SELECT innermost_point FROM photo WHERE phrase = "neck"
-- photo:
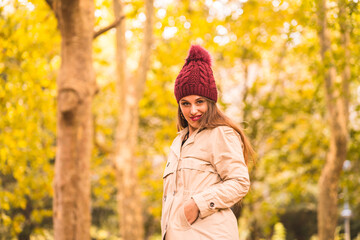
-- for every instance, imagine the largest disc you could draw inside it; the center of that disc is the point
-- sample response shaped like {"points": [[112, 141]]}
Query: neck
{"points": [[191, 130]]}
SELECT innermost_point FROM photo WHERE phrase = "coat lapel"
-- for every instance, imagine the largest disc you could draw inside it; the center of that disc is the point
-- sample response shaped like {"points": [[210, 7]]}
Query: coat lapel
{"points": [[176, 146], [191, 138]]}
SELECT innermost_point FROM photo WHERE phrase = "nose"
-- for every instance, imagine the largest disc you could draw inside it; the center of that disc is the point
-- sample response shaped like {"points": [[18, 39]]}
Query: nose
{"points": [[193, 110]]}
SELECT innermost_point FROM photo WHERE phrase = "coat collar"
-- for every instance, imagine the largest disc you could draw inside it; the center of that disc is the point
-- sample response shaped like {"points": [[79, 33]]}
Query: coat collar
{"points": [[176, 146]]}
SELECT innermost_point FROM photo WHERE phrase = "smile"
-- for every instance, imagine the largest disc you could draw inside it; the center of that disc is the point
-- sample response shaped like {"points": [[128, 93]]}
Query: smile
{"points": [[195, 118]]}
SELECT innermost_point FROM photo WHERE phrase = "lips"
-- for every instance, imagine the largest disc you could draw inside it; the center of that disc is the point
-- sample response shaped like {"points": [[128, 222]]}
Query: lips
{"points": [[195, 118]]}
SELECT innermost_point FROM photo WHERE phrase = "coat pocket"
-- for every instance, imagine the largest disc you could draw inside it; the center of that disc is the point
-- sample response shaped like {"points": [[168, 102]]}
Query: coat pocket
{"points": [[169, 169], [196, 164], [170, 165], [183, 222], [197, 175]]}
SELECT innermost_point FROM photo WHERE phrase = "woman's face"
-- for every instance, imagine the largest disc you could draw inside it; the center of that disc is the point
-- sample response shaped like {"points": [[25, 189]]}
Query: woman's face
{"points": [[193, 107]]}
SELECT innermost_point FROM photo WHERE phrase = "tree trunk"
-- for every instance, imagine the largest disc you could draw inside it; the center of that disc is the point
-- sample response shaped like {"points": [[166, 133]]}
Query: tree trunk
{"points": [[345, 42], [76, 87], [337, 108], [130, 91]]}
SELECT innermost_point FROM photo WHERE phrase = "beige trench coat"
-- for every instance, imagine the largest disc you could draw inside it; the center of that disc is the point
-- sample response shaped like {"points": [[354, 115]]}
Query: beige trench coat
{"points": [[210, 168]]}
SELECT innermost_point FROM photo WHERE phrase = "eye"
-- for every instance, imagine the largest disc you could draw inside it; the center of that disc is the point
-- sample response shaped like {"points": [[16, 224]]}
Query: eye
{"points": [[199, 101], [185, 103]]}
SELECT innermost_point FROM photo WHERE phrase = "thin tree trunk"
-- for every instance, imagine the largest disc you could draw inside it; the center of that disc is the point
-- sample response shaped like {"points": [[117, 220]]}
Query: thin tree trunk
{"points": [[76, 87], [130, 91], [345, 42], [120, 150], [337, 106]]}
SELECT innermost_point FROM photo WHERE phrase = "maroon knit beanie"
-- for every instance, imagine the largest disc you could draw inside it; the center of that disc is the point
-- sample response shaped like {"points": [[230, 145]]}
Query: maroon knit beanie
{"points": [[196, 76]]}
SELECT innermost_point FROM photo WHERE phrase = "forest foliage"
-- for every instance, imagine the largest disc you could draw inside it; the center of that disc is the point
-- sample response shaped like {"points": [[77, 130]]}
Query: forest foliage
{"points": [[269, 74]]}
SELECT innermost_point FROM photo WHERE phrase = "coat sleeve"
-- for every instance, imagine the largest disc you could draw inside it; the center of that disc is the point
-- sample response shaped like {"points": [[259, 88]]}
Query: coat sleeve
{"points": [[228, 160]]}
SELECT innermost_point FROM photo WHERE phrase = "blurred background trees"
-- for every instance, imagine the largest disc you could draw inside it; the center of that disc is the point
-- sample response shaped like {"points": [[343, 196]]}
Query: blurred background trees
{"points": [[270, 74]]}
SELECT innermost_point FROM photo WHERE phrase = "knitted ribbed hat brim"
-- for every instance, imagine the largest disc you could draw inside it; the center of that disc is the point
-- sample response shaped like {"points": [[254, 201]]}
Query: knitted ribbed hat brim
{"points": [[188, 90]]}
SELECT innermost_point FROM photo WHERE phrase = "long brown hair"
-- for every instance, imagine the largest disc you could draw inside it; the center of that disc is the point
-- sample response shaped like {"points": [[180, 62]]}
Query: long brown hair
{"points": [[213, 118]]}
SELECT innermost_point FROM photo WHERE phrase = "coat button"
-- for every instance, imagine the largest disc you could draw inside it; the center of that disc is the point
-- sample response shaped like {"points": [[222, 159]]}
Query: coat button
{"points": [[164, 198], [167, 164], [212, 205], [174, 193]]}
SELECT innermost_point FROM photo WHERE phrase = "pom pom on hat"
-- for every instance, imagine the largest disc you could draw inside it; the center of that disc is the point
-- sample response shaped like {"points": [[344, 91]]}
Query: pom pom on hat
{"points": [[196, 76], [198, 53]]}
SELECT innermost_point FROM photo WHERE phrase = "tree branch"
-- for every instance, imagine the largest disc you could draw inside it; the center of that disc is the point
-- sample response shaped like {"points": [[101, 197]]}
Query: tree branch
{"points": [[50, 3], [105, 29], [100, 145]]}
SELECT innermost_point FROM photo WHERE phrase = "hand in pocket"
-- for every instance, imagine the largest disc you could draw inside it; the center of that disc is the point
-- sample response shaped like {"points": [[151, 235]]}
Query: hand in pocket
{"points": [[191, 211]]}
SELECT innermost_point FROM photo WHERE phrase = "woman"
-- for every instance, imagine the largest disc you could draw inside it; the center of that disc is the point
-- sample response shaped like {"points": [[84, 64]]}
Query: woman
{"points": [[206, 172]]}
